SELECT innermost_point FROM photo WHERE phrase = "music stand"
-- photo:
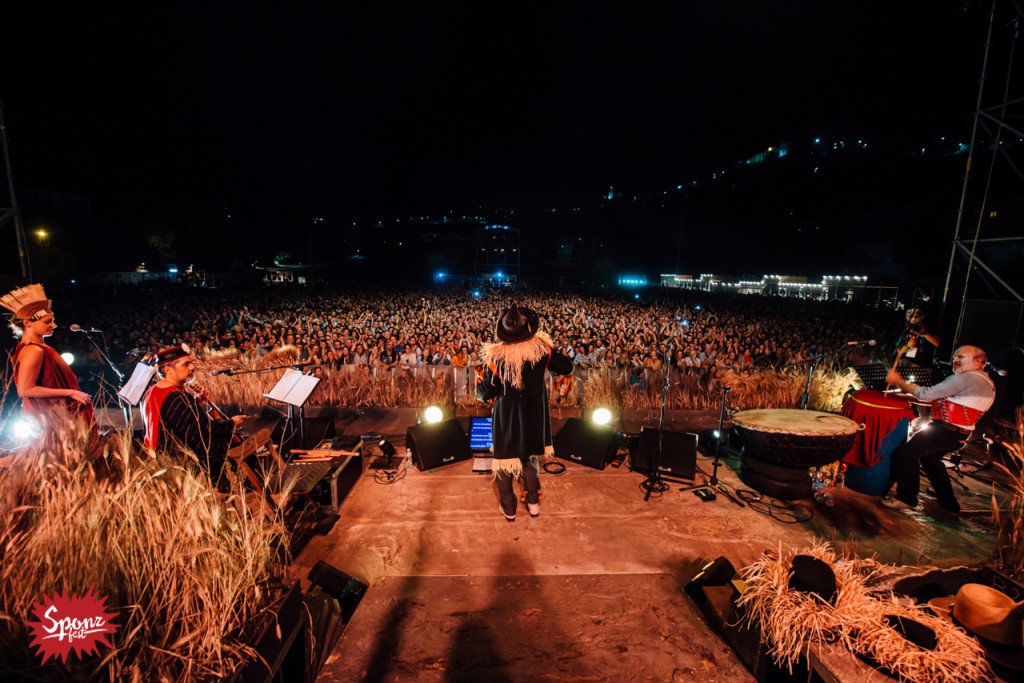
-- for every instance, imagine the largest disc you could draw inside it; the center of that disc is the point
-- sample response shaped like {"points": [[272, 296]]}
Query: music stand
{"points": [[133, 390], [922, 377], [293, 389], [872, 376]]}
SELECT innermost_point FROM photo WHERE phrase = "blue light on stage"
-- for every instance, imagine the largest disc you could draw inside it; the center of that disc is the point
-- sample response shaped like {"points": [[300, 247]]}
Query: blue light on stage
{"points": [[499, 275], [172, 270], [476, 293]]}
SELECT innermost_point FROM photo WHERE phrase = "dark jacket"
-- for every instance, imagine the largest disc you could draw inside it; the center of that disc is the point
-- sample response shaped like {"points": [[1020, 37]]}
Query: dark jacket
{"points": [[521, 422]]}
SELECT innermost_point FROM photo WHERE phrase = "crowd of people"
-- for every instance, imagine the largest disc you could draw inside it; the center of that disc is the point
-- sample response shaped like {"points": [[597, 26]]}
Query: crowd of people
{"points": [[696, 332]]}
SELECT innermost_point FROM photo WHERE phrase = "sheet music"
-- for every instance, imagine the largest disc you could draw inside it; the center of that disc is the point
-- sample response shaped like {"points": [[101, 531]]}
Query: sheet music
{"points": [[293, 388], [135, 387]]}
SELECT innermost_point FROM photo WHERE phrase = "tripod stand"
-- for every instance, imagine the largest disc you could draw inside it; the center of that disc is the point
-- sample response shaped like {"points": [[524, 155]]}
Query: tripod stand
{"points": [[654, 483], [712, 483]]}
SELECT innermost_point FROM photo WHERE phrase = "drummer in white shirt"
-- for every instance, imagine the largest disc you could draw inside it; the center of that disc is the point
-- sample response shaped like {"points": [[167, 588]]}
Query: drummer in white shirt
{"points": [[958, 402]]}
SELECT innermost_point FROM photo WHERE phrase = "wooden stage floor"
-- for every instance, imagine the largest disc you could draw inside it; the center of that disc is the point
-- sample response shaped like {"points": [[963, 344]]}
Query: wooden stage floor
{"points": [[591, 590]]}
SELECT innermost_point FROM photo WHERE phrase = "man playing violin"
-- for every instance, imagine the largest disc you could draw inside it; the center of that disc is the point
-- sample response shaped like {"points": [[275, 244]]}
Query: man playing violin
{"points": [[958, 402], [174, 418], [918, 344]]}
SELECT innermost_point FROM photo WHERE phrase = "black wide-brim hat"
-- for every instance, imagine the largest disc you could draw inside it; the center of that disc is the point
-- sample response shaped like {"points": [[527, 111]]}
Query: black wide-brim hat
{"points": [[517, 324], [813, 576]]}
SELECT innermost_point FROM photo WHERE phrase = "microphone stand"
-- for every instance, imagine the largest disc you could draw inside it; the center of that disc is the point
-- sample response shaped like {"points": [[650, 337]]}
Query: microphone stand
{"points": [[126, 409], [813, 360], [231, 372], [711, 484], [654, 483]]}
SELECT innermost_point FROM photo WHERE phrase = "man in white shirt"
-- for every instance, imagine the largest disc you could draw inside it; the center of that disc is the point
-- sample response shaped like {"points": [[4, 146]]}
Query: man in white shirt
{"points": [[958, 402]]}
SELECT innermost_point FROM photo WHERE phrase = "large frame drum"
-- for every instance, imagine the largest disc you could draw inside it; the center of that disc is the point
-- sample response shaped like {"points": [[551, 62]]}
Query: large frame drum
{"points": [[781, 445]]}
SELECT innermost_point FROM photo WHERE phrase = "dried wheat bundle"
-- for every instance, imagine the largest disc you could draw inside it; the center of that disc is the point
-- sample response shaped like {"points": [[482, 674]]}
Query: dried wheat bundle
{"points": [[187, 567], [957, 658], [600, 390], [829, 388], [1009, 516], [762, 390]]}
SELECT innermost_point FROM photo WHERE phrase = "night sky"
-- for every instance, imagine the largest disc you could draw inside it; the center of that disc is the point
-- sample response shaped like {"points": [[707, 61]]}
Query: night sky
{"points": [[180, 114]]}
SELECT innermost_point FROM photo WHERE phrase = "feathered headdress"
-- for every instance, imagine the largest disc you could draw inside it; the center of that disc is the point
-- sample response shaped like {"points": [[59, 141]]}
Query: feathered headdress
{"points": [[26, 302]]}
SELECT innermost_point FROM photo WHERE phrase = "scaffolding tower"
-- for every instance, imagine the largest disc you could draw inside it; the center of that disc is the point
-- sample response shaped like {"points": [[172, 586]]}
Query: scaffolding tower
{"points": [[995, 153]]}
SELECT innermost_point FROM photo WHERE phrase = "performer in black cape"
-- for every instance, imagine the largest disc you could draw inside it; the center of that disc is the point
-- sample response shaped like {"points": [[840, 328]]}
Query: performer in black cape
{"points": [[521, 424]]}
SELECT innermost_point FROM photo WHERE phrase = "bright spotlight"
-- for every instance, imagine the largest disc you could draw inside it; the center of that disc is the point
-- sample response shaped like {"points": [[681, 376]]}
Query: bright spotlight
{"points": [[433, 414], [68, 357], [602, 416], [25, 429], [717, 434]]}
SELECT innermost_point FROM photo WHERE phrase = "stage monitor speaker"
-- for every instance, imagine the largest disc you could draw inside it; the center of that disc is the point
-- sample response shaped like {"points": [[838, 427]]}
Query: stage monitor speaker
{"points": [[436, 444], [718, 572], [585, 443], [993, 325], [339, 585], [678, 455]]}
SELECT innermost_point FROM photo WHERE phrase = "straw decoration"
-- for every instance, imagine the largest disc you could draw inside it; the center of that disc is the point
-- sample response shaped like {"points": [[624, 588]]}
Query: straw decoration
{"points": [[789, 621]]}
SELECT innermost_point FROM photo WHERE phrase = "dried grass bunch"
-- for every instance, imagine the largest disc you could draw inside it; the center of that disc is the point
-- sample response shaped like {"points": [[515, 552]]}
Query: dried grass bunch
{"points": [[789, 621], [415, 386], [1009, 517], [186, 568]]}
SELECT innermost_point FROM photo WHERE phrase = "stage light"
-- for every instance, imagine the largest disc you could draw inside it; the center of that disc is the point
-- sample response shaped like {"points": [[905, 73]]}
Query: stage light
{"points": [[601, 416], [68, 357], [433, 414], [386, 448], [717, 434], [25, 429]]}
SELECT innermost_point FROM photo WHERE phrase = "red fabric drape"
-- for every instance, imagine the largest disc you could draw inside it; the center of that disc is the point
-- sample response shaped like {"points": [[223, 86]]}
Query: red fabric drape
{"points": [[879, 413]]}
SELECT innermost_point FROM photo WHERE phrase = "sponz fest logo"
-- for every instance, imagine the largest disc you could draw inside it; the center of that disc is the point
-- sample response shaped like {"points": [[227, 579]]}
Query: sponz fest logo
{"points": [[70, 622]]}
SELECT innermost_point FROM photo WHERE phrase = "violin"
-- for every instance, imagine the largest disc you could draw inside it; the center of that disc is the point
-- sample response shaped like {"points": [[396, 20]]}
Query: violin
{"points": [[213, 410]]}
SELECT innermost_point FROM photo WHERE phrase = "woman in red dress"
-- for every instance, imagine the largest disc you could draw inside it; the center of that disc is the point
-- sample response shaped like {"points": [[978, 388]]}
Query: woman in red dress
{"points": [[44, 381]]}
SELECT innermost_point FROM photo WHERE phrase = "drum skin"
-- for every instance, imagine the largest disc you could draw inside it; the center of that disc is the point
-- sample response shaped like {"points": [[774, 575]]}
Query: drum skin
{"points": [[795, 438]]}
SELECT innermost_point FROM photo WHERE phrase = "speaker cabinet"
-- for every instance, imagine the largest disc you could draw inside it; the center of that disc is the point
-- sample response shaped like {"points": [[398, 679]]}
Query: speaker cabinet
{"points": [[438, 444], [585, 443], [718, 572], [678, 453], [339, 585]]}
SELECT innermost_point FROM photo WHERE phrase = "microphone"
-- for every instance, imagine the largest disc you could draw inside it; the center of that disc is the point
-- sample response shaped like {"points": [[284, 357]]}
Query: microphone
{"points": [[998, 371], [226, 371], [79, 328], [869, 342]]}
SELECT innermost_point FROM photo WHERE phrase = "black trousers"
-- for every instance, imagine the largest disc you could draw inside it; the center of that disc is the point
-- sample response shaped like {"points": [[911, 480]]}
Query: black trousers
{"points": [[507, 494], [925, 450]]}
